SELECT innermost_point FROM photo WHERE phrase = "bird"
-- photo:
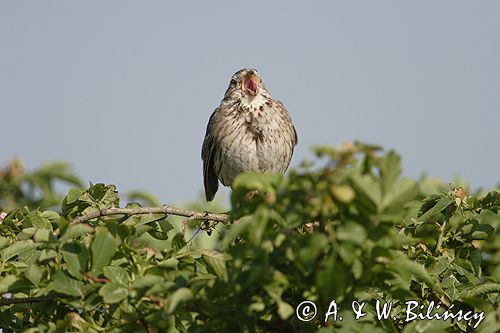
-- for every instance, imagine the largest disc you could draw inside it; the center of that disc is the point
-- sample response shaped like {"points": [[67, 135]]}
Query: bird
{"points": [[249, 132]]}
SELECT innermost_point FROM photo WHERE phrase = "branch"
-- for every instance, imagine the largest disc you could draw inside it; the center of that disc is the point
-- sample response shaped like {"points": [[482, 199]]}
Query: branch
{"points": [[145, 325], [93, 279], [165, 209], [35, 299]]}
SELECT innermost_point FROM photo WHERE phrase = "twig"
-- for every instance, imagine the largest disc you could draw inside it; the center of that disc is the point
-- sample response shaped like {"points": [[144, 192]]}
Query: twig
{"points": [[35, 299], [146, 326], [194, 235], [94, 279], [167, 210]]}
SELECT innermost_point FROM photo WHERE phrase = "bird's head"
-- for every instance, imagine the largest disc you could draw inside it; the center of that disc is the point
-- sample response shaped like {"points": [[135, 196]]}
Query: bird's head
{"points": [[246, 82]]}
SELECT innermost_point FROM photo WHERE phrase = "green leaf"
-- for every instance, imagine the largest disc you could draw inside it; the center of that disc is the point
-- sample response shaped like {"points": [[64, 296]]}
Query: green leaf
{"points": [[441, 205], [147, 240], [76, 256], [169, 263], [483, 289], [103, 249], [390, 169], [17, 248], [407, 268], [482, 232], [105, 196], [178, 296], [47, 255], [62, 284], [147, 281], [75, 231], [34, 274], [368, 188], [4, 242], [215, 263], [403, 191], [285, 310], [42, 235], [36, 220], [6, 283], [72, 196], [113, 293], [117, 275], [51, 216]]}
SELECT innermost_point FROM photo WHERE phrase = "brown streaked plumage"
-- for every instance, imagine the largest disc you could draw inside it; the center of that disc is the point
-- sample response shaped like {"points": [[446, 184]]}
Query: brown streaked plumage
{"points": [[249, 132]]}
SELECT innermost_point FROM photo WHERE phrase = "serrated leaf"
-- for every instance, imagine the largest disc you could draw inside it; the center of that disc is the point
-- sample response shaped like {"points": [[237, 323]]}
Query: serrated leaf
{"points": [[403, 191], [75, 231], [51, 216], [17, 248], [103, 249], [482, 232], [113, 293], [215, 263], [42, 235], [408, 268], [6, 283], [36, 220], [62, 284], [390, 169], [147, 281], [47, 255], [76, 256], [34, 274], [483, 289], [72, 196], [169, 263], [117, 275], [4, 242], [369, 188], [105, 196], [441, 205]]}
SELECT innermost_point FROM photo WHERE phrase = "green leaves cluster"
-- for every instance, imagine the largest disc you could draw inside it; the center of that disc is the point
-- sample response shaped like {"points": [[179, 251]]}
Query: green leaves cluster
{"points": [[347, 227]]}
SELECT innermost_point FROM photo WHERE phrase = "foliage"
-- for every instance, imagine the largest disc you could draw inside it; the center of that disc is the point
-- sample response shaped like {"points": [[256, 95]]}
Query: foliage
{"points": [[37, 189], [347, 228]]}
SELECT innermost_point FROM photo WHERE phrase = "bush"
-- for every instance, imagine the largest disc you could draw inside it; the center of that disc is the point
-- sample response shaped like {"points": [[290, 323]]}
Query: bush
{"points": [[345, 228]]}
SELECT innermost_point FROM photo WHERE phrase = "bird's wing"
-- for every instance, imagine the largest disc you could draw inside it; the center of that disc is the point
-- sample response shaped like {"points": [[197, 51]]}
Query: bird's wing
{"points": [[278, 105], [210, 181]]}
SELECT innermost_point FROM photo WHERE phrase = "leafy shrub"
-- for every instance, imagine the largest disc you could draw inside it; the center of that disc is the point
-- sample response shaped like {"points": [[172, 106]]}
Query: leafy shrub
{"points": [[347, 228]]}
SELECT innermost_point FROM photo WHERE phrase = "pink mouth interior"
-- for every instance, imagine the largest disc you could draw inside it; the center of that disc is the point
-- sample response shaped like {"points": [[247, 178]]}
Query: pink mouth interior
{"points": [[251, 85]]}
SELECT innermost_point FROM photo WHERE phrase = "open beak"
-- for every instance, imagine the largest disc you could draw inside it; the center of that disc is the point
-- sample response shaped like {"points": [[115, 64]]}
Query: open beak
{"points": [[251, 84]]}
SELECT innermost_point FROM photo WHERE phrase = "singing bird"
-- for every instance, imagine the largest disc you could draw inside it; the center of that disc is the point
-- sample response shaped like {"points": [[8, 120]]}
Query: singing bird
{"points": [[249, 132]]}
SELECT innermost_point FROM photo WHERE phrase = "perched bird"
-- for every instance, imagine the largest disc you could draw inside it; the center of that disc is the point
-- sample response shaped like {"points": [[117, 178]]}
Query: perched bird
{"points": [[249, 132]]}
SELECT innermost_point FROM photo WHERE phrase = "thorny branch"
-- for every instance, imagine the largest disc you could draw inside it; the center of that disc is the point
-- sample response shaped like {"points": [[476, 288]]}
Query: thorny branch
{"points": [[165, 209], [35, 299]]}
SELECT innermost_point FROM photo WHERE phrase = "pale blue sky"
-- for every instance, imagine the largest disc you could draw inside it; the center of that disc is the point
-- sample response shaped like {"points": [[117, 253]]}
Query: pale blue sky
{"points": [[123, 89]]}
